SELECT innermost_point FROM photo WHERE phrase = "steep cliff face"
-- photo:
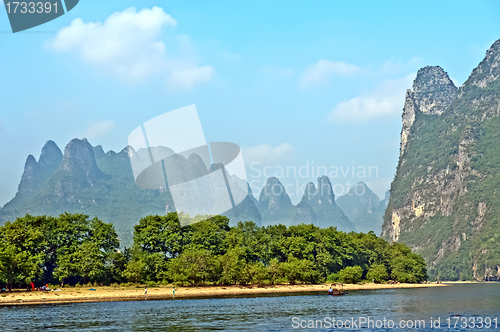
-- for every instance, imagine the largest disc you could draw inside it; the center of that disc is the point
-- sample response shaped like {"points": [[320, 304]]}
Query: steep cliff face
{"points": [[78, 170], [433, 91], [444, 196]]}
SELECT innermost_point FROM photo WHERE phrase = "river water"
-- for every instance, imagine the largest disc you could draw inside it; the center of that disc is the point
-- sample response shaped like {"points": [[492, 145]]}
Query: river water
{"points": [[462, 307]]}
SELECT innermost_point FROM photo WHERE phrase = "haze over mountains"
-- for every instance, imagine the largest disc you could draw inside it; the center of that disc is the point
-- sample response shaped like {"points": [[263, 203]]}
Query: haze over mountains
{"points": [[444, 199], [86, 179]]}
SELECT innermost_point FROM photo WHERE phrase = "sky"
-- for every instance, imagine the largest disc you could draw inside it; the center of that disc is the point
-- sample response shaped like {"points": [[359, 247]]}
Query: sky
{"points": [[300, 86]]}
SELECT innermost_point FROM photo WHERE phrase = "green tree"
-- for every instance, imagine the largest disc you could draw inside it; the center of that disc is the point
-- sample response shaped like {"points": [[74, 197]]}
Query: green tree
{"points": [[21, 251], [300, 270], [350, 275], [135, 271], [208, 235], [194, 267], [160, 234], [17, 266], [233, 266], [378, 273], [255, 273], [405, 265]]}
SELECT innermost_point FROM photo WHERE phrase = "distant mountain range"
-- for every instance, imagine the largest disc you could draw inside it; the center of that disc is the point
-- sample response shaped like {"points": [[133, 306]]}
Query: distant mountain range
{"points": [[86, 179]]}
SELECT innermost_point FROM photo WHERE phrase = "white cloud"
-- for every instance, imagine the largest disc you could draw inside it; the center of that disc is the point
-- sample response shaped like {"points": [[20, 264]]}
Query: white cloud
{"points": [[128, 44], [386, 99], [322, 71], [187, 78], [266, 154], [396, 67], [100, 129]]}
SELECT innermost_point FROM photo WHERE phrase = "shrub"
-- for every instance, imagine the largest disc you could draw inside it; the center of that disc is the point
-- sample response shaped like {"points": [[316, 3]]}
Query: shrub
{"points": [[377, 273], [350, 275]]}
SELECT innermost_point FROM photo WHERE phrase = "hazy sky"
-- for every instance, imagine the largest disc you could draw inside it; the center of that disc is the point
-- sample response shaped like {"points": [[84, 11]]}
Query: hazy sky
{"points": [[294, 83]]}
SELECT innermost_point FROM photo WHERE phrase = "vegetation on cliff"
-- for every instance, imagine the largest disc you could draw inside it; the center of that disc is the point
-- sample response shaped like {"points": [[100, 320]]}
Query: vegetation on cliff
{"points": [[444, 198]]}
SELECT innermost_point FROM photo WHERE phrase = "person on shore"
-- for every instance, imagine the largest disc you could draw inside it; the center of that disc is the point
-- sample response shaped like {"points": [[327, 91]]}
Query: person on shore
{"points": [[330, 291], [146, 290], [173, 291]]}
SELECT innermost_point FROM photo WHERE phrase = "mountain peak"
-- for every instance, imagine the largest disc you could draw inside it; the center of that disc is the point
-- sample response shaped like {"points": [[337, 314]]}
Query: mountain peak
{"points": [[273, 188], [98, 152], [488, 70], [360, 189], [274, 202], [362, 207], [30, 161], [322, 194], [29, 176], [433, 90], [79, 160], [51, 156], [319, 207]]}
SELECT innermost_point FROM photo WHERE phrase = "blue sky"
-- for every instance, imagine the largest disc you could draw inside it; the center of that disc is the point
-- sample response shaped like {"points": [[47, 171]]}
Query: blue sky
{"points": [[294, 83]]}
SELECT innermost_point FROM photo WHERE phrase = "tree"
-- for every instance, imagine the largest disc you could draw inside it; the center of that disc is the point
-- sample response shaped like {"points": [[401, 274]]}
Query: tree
{"points": [[79, 247], [378, 273], [192, 266], [350, 275], [299, 270], [17, 266], [160, 234], [406, 266], [275, 270], [255, 273], [21, 253], [233, 266], [208, 234], [135, 271]]}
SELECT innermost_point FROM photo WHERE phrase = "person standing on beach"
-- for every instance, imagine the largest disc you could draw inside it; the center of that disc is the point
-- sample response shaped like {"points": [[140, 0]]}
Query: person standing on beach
{"points": [[146, 290], [173, 291]]}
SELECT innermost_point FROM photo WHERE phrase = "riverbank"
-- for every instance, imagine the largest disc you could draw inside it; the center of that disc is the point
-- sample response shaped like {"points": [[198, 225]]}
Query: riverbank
{"points": [[73, 294]]}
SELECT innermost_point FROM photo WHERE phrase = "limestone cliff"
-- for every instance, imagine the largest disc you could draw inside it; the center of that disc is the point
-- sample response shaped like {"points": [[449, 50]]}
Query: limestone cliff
{"points": [[433, 91], [444, 200]]}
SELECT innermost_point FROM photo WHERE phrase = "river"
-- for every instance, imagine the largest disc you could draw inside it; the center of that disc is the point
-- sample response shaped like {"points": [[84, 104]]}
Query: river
{"points": [[461, 307]]}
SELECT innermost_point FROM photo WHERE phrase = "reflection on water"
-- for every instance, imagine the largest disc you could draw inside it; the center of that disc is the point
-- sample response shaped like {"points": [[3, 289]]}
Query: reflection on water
{"points": [[266, 313]]}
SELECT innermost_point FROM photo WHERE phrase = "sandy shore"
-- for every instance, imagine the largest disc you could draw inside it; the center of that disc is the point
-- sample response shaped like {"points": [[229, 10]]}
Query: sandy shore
{"points": [[68, 295]]}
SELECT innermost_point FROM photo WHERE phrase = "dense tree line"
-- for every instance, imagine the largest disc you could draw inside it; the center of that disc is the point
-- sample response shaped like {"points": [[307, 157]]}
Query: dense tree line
{"points": [[74, 249]]}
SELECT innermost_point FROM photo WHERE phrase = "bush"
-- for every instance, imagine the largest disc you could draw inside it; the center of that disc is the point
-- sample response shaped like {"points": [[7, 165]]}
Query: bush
{"points": [[256, 273], [332, 277], [377, 273], [350, 275]]}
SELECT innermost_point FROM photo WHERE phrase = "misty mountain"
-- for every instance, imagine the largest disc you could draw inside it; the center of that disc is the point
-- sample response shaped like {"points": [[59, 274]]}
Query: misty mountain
{"points": [[363, 207], [317, 206], [88, 180]]}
